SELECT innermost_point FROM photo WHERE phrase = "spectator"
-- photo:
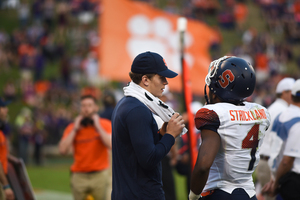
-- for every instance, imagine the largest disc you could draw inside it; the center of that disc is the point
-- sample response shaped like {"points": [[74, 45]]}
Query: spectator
{"points": [[226, 19], [65, 70], [27, 89], [267, 154], [109, 102], [9, 90], [39, 65], [6, 192], [286, 126], [23, 12], [49, 47], [90, 66], [89, 137], [75, 64], [38, 139], [86, 15], [4, 125], [48, 13], [240, 14], [62, 17], [36, 11], [25, 128]]}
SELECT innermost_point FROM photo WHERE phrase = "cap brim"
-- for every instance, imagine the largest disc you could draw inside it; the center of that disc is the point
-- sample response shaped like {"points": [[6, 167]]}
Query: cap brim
{"points": [[168, 73]]}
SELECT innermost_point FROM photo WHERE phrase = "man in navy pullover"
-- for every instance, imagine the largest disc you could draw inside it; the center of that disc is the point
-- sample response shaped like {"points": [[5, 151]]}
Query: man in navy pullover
{"points": [[138, 146]]}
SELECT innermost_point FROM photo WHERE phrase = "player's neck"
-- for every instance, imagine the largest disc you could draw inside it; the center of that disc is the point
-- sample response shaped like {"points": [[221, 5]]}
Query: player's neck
{"points": [[214, 99]]}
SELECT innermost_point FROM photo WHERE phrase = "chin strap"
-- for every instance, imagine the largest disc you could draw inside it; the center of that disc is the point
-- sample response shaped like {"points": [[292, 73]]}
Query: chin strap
{"points": [[205, 95]]}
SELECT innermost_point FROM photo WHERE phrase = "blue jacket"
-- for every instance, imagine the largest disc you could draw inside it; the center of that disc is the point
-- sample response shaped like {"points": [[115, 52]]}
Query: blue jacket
{"points": [[137, 149]]}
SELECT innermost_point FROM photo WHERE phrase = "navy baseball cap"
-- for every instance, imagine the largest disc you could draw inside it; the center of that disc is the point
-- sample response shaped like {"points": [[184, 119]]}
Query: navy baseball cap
{"points": [[151, 63], [3, 103]]}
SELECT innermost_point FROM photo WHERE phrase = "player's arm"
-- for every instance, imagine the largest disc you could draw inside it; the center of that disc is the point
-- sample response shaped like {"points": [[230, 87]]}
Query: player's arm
{"points": [[66, 143], [6, 187], [207, 152], [208, 122]]}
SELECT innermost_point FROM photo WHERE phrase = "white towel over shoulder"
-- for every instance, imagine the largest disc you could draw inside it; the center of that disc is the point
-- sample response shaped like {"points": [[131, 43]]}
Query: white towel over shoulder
{"points": [[156, 106]]}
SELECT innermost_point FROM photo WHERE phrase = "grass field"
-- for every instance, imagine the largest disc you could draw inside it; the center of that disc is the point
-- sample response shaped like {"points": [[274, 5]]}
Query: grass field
{"points": [[55, 174], [54, 177]]}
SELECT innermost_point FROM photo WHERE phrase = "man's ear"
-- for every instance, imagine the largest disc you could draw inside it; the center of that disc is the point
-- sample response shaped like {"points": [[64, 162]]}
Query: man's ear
{"points": [[145, 81]]}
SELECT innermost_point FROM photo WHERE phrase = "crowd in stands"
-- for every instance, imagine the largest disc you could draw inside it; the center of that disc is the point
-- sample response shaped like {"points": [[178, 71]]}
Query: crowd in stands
{"points": [[271, 57], [50, 34], [64, 33]]}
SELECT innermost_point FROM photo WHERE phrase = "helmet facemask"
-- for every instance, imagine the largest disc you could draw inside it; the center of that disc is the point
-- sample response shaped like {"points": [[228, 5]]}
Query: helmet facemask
{"points": [[212, 70]]}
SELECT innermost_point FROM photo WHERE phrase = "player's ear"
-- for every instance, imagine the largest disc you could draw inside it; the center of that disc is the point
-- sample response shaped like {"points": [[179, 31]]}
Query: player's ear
{"points": [[145, 80]]}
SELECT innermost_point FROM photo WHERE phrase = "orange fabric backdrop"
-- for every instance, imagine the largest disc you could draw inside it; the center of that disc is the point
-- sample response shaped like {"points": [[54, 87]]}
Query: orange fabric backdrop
{"points": [[128, 27]]}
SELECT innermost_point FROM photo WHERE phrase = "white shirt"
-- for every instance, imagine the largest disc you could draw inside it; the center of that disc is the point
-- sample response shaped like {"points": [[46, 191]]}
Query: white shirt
{"points": [[290, 120], [241, 129], [267, 148]]}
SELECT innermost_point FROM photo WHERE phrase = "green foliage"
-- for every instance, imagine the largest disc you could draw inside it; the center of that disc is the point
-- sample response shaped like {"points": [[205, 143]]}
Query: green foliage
{"points": [[9, 20], [51, 71], [11, 76]]}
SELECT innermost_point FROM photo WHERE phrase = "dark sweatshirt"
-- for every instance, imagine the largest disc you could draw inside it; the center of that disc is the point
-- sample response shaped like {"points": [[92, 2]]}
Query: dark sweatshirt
{"points": [[137, 149]]}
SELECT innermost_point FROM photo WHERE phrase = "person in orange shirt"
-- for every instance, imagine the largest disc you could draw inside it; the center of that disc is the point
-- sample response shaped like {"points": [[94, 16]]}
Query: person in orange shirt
{"points": [[90, 138], [5, 189]]}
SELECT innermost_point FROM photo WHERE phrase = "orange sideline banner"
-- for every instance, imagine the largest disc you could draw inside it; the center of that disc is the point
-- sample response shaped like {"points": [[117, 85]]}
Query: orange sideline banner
{"points": [[128, 28]]}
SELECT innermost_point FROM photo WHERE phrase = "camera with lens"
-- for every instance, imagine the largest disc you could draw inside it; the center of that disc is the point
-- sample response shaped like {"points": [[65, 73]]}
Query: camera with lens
{"points": [[87, 122]]}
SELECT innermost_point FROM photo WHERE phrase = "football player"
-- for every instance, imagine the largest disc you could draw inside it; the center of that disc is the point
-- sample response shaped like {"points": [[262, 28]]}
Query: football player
{"points": [[231, 130]]}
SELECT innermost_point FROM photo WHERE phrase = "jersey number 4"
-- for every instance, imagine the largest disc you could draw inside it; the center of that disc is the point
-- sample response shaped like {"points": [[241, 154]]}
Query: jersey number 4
{"points": [[251, 142]]}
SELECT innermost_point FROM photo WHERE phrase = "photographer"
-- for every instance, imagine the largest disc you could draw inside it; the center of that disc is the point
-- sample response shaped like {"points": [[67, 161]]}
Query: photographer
{"points": [[90, 138]]}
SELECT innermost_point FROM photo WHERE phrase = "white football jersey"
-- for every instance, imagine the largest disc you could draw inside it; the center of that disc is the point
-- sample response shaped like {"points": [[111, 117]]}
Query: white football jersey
{"points": [[241, 129]]}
